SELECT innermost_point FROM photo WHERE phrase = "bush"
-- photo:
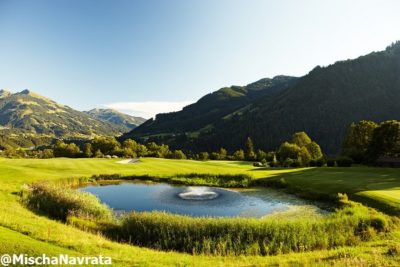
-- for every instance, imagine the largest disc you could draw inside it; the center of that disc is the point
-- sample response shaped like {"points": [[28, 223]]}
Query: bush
{"points": [[394, 250], [330, 162], [204, 156], [288, 162], [344, 162], [320, 162], [380, 223], [296, 163]]}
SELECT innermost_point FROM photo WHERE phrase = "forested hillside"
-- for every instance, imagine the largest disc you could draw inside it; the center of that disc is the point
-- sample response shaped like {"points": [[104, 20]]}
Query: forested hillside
{"points": [[323, 103]]}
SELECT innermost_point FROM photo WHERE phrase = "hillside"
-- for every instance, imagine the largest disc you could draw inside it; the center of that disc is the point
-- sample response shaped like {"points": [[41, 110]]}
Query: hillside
{"points": [[115, 117], [323, 103], [30, 116], [205, 112]]}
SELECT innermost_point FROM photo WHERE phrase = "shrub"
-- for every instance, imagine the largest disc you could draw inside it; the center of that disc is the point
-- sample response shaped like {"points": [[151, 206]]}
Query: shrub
{"points": [[258, 164], [394, 250], [330, 162], [288, 162], [320, 162], [342, 197], [296, 163], [379, 223], [204, 156], [214, 156], [344, 162], [312, 163]]}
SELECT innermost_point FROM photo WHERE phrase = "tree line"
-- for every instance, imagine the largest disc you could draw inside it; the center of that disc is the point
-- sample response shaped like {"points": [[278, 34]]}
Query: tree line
{"points": [[367, 141], [300, 150]]}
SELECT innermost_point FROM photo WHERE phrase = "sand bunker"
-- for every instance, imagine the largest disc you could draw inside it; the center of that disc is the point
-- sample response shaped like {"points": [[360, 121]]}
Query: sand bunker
{"points": [[128, 161]]}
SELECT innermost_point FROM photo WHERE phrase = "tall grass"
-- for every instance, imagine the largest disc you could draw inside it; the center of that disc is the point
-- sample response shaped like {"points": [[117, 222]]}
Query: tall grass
{"points": [[349, 225], [235, 236], [221, 180], [58, 202]]}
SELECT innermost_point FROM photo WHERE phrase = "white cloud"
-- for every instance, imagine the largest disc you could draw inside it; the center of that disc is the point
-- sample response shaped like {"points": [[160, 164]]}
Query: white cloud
{"points": [[147, 109]]}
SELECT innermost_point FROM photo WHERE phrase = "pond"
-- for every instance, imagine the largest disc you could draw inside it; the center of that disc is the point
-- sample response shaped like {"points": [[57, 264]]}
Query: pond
{"points": [[197, 201]]}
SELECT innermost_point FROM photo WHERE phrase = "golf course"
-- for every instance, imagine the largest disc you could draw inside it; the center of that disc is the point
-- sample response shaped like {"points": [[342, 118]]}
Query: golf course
{"points": [[22, 230]]}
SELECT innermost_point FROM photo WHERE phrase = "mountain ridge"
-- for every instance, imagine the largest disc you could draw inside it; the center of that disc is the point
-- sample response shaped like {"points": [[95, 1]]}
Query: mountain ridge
{"points": [[116, 117], [215, 105], [323, 103], [31, 116]]}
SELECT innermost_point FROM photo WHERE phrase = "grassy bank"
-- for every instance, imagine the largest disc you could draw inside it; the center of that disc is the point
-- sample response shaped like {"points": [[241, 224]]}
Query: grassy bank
{"points": [[350, 224], [25, 232]]}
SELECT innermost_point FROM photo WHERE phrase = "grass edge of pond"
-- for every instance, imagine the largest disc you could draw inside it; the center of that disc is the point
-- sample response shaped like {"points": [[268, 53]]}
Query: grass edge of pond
{"points": [[75, 211]]}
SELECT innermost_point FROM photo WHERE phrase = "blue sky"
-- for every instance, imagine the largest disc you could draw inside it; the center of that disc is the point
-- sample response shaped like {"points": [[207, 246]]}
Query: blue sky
{"points": [[150, 56]]}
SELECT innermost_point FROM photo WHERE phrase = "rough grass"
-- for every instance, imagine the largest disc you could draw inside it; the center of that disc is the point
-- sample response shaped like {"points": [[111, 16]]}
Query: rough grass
{"points": [[235, 236], [60, 202], [25, 232], [349, 225]]}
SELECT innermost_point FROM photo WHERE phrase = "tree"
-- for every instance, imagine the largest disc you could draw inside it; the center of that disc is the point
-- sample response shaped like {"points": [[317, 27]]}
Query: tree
{"points": [[204, 156], [288, 151], [214, 156], [129, 153], [300, 139], [9, 152], [98, 154], [130, 144], [87, 150], [72, 150], [315, 150], [62, 149], [270, 156], [304, 156], [385, 140], [158, 151], [106, 145], [47, 153], [222, 153], [358, 139], [141, 150], [178, 154], [249, 150], [261, 155], [239, 155]]}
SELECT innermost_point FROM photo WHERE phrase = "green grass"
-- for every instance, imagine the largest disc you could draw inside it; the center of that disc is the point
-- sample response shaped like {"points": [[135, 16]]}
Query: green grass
{"points": [[23, 231], [249, 236]]}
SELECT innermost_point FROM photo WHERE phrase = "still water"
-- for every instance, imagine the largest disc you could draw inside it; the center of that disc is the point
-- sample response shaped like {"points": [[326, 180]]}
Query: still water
{"points": [[195, 201]]}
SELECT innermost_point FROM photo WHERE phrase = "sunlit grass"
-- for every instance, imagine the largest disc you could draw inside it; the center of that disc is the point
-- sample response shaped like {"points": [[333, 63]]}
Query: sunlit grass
{"points": [[25, 232]]}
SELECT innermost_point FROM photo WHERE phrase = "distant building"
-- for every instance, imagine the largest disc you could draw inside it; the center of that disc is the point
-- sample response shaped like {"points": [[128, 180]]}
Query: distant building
{"points": [[391, 162]]}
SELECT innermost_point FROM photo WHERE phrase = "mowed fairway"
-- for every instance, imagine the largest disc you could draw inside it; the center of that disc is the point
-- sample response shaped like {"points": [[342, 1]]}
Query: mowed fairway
{"points": [[25, 232]]}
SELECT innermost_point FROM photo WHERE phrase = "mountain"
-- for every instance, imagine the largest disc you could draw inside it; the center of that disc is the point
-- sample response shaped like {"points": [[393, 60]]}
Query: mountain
{"points": [[323, 103], [29, 115], [196, 117], [114, 117]]}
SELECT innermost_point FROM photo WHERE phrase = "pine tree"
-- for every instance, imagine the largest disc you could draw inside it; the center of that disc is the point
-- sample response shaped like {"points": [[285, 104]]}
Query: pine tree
{"points": [[249, 150]]}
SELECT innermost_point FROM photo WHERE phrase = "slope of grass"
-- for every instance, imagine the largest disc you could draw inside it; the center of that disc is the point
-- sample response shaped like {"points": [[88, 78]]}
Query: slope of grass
{"points": [[25, 232]]}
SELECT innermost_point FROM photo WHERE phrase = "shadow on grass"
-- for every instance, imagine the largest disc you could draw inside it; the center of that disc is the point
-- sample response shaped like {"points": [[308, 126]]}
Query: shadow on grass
{"points": [[326, 182]]}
